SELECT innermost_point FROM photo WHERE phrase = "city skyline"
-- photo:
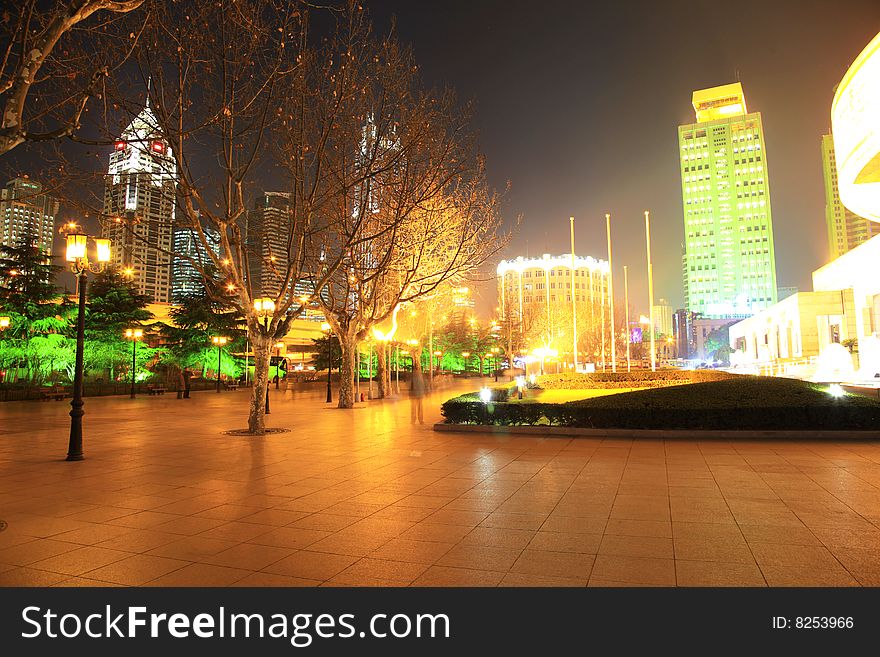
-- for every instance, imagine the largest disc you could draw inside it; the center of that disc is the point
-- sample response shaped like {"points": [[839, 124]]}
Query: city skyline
{"points": [[628, 165]]}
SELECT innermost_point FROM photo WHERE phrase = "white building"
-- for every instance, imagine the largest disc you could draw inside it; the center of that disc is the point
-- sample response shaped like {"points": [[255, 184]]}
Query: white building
{"points": [[25, 212], [139, 202]]}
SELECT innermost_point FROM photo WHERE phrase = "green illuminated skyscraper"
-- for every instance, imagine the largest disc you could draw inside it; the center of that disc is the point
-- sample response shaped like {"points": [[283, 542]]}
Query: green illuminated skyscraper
{"points": [[729, 263]]}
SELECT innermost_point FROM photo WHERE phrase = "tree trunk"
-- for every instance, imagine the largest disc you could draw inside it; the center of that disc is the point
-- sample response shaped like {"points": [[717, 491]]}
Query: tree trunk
{"points": [[346, 372], [381, 368], [257, 412]]}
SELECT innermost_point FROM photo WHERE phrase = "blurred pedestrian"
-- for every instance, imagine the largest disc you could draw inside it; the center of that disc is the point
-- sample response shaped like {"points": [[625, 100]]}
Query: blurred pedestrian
{"points": [[418, 388], [187, 375]]}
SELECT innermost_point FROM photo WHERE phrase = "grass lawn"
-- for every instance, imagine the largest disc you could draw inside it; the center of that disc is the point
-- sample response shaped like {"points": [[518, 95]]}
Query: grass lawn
{"points": [[562, 396]]}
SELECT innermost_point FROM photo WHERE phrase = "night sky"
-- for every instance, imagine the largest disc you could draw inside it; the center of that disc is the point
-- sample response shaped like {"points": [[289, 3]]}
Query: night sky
{"points": [[578, 105]]}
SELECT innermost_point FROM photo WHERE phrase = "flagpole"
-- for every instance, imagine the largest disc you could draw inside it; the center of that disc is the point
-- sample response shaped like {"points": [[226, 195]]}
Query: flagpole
{"points": [[650, 289], [611, 294]]}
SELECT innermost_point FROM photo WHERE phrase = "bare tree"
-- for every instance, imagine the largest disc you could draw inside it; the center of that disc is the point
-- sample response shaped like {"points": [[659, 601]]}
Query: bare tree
{"points": [[48, 76]]}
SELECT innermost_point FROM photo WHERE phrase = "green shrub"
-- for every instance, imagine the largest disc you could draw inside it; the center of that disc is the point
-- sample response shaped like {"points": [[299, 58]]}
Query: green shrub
{"points": [[739, 403]]}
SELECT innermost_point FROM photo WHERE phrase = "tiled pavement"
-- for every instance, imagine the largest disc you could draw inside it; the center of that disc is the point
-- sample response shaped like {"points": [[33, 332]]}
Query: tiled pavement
{"points": [[362, 497]]}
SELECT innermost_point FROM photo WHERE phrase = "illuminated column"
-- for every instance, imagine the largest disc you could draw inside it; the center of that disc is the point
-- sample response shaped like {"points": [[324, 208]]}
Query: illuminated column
{"points": [[547, 290], [611, 294], [602, 291], [626, 303], [650, 289], [574, 330]]}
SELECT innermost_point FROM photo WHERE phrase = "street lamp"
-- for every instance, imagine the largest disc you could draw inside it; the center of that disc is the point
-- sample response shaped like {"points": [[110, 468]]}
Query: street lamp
{"points": [[4, 323], [495, 351], [77, 256], [134, 335], [218, 341], [325, 327], [439, 355], [466, 355]]}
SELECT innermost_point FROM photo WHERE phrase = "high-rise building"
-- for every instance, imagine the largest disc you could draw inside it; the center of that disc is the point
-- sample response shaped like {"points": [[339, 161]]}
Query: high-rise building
{"points": [[25, 212], [185, 278], [663, 318], [846, 229], [139, 204], [683, 333], [267, 233], [729, 263]]}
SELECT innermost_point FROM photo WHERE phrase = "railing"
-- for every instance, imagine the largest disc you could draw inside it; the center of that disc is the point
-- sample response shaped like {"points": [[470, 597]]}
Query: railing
{"points": [[93, 389]]}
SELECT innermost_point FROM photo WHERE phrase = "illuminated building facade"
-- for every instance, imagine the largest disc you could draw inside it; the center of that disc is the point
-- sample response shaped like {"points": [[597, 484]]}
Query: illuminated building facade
{"points": [[185, 278], [139, 206], [844, 305], [846, 229], [25, 212], [527, 285], [663, 318], [267, 232], [729, 262], [855, 124]]}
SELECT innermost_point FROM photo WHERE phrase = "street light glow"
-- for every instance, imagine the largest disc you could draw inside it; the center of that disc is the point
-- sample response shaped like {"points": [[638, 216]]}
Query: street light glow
{"points": [[485, 395]]}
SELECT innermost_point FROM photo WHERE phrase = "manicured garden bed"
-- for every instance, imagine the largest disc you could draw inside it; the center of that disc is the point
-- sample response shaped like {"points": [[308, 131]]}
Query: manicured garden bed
{"points": [[732, 403]]}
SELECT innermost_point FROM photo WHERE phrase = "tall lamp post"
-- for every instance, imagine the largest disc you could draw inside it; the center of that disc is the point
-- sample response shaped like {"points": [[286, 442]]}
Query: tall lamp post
{"points": [[219, 341], [466, 355], [77, 256], [134, 335], [495, 351], [264, 308], [439, 355], [325, 327]]}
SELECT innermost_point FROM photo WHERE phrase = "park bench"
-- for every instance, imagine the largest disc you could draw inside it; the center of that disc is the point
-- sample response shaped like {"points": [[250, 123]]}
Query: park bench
{"points": [[55, 392], [230, 385], [153, 389]]}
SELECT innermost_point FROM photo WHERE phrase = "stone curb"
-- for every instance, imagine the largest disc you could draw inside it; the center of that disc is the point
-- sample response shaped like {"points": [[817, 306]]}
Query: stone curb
{"points": [[698, 434]]}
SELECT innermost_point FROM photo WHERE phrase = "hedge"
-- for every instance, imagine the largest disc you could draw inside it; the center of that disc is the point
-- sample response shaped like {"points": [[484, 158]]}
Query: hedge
{"points": [[638, 379], [744, 403]]}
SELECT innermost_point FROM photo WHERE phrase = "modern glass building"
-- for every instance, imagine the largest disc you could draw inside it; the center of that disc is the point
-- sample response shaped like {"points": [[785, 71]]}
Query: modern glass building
{"points": [[729, 267], [185, 278], [846, 229]]}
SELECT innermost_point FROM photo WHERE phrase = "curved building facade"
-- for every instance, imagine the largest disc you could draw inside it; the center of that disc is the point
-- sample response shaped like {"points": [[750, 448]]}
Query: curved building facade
{"points": [[855, 120], [526, 284]]}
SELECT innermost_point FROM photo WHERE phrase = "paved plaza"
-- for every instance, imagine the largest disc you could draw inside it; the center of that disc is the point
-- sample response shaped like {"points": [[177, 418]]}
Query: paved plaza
{"points": [[364, 498]]}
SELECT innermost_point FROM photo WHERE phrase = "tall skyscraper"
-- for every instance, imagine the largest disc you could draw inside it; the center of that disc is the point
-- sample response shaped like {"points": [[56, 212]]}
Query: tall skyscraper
{"points": [[139, 202], [729, 263], [185, 278], [26, 212], [267, 233], [846, 229]]}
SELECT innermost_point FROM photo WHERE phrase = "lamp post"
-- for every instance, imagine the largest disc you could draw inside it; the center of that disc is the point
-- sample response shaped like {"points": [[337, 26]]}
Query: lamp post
{"points": [[218, 341], [495, 351], [439, 355], [78, 258], [325, 327], [134, 335], [650, 288], [265, 308], [466, 355]]}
